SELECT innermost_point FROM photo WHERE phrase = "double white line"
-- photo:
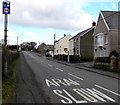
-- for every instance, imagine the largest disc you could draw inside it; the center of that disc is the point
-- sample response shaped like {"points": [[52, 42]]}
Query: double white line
{"points": [[107, 90], [59, 69], [75, 76]]}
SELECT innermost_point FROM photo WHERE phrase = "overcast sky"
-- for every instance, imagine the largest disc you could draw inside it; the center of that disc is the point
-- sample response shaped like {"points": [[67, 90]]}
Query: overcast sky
{"points": [[38, 20]]}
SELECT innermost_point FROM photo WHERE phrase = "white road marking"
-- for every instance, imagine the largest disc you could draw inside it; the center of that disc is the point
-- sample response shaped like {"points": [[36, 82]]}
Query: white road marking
{"points": [[107, 90], [44, 62], [32, 56], [75, 76], [49, 65], [59, 69]]}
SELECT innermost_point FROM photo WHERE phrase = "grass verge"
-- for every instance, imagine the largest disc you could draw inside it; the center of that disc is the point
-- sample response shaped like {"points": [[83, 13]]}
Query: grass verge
{"points": [[9, 85]]}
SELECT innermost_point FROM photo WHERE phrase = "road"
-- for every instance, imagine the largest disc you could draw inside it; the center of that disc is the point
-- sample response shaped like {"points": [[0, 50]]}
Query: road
{"points": [[52, 82]]}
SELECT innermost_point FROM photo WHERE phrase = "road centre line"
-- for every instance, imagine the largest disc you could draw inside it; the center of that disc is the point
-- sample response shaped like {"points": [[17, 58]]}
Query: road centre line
{"points": [[75, 76], [108, 90], [49, 65], [59, 69]]}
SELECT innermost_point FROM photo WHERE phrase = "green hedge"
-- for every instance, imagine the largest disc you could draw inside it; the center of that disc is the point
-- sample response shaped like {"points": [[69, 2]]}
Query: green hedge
{"points": [[11, 57]]}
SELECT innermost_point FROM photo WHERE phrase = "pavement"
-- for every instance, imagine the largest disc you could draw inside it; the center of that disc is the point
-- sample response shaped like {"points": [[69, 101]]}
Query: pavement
{"points": [[89, 67]]}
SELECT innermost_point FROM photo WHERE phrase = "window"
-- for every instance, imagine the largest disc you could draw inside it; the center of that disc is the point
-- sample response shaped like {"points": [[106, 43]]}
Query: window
{"points": [[99, 40], [77, 51], [106, 38], [65, 49]]}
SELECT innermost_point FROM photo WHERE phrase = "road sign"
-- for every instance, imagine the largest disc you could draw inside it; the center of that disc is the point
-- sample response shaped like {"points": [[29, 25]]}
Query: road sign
{"points": [[6, 7]]}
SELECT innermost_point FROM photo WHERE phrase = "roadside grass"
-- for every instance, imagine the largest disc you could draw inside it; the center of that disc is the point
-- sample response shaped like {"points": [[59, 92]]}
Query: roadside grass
{"points": [[10, 83]]}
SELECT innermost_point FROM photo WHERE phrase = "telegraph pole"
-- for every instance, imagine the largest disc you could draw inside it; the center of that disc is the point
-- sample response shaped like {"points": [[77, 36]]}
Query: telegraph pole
{"points": [[17, 43], [54, 45]]}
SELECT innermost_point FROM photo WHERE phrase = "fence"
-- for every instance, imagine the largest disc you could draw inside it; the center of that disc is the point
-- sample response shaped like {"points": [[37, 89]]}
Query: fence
{"points": [[72, 58]]}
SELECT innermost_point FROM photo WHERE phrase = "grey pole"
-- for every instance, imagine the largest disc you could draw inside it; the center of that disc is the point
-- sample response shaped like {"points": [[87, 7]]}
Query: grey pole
{"points": [[54, 45], [68, 57], [5, 45], [17, 43]]}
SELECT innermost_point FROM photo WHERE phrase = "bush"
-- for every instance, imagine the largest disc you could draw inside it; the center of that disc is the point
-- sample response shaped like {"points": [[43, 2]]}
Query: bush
{"points": [[11, 57], [103, 60], [115, 53]]}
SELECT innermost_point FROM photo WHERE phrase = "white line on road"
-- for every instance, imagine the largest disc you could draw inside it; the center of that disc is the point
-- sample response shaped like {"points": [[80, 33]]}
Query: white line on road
{"points": [[75, 76], [59, 69], [49, 65], [32, 56], [107, 90]]}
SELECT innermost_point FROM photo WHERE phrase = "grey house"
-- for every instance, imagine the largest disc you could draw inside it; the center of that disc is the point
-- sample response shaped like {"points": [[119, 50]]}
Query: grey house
{"points": [[83, 43], [107, 34]]}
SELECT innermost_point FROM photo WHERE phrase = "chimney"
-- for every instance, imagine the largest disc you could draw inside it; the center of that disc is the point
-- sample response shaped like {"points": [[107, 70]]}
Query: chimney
{"points": [[94, 24], [64, 35]]}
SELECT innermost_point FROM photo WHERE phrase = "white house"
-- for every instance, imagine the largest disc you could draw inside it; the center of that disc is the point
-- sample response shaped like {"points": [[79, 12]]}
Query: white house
{"points": [[62, 45]]}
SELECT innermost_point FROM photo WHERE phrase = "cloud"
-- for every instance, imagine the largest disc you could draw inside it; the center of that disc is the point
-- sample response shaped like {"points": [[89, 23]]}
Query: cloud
{"points": [[57, 14], [114, 6]]}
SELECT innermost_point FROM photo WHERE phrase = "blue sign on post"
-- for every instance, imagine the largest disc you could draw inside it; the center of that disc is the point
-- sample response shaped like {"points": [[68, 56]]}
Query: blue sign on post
{"points": [[6, 7]]}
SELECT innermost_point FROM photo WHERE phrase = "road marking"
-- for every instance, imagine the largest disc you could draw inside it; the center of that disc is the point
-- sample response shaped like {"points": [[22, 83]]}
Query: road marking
{"points": [[32, 57], [44, 62], [61, 82], [107, 90], [59, 69], [86, 96], [49, 65], [75, 76]]}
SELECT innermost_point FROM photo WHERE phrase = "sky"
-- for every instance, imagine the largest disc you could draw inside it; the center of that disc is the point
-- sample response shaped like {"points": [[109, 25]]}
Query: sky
{"points": [[39, 20]]}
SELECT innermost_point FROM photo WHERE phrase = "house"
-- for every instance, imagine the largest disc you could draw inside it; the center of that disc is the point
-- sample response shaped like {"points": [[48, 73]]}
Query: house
{"points": [[62, 45], [71, 46], [43, 48], [25, 46], [83, 43], [50, 47], [107, 34]]}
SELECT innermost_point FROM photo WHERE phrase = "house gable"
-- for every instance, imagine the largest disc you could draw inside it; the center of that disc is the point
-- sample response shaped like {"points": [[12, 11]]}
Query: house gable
{"points": [[106, 34], [101, 25]]}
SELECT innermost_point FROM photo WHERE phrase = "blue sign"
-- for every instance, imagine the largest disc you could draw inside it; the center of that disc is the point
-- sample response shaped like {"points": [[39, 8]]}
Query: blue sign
{"points": [[6, 7]]}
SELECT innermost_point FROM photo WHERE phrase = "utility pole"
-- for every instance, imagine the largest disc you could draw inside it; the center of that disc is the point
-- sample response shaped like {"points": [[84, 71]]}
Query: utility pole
{"points": [[54, 45], [17, 43], [6, 11]]}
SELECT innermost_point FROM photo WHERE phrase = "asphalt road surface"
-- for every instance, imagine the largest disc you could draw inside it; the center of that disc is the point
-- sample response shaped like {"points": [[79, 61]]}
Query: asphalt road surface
{"points": [[45, 81]]}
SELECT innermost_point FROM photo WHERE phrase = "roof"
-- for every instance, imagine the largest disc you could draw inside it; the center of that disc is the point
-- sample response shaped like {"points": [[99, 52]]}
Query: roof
{"points": [[62, 38], [111, 19], [83, 32]]}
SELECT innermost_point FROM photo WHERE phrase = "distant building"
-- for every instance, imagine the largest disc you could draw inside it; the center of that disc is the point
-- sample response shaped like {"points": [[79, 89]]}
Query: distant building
{"points": [[43, 48], [107, 34], [24, 46], [50, 47], [62, 45]]}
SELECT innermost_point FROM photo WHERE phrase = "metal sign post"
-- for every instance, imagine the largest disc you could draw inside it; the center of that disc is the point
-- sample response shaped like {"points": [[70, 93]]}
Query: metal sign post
{"points": [[6, 11], [68, 57]]}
